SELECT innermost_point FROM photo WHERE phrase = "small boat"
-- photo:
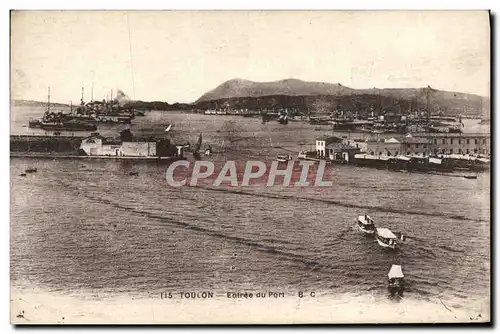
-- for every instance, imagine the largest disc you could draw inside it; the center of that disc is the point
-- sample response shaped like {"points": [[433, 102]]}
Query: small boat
{"points": [[366, 224], [133, 173], [35, 123], [30, 170], [284, 158], [396, 279], [22, 174], [386, 238], [470, 176]]}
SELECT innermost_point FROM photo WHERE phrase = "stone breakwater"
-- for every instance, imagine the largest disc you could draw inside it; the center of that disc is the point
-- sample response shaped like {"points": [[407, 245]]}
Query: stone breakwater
{"points": [[44, 144]]}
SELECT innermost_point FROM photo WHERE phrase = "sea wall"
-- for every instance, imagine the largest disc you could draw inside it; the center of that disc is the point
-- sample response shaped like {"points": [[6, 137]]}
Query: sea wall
{"points": [[45, 144], [70, 145]]}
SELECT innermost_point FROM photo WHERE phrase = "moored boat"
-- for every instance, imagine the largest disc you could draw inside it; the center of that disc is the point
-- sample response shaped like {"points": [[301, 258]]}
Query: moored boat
{"points": [[35, 123], [386, 238], [366, 224], [30, 170], [283, 158]]}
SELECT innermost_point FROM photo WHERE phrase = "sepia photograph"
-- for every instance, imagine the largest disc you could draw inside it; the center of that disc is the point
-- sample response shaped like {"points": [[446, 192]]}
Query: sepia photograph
{"points": [[250, 167]]}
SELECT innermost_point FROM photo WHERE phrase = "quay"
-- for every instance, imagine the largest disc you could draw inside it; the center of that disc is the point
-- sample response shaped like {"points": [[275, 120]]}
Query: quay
{"points": [[89, 157], [95, 146], [420, 152]]}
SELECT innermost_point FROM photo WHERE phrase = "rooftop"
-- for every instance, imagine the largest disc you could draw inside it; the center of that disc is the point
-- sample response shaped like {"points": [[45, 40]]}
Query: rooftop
{"points": [[395, 272], [340, 146], [418, 140], [392, 140], [451, 135], [386, 233], [363, 220], [329, 138]]}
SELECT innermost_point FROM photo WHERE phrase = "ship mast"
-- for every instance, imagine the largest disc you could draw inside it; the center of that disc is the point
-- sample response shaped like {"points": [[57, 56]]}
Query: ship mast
{"points": [[428, 118], [81, 99], [48, 101], [92, 89], [427, 107], [379, 104]]}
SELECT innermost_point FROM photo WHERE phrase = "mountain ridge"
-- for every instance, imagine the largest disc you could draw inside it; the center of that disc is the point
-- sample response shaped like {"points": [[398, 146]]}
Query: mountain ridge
{"points": [[293, 87], [302, 87], [447, 101]]}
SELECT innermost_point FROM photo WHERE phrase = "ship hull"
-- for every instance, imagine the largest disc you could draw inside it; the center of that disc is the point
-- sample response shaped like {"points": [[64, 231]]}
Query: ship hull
{"points": [[368, 232], [386, 246], [68, 127]]}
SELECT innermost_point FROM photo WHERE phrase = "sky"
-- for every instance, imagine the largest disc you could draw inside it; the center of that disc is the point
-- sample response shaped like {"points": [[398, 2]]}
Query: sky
{"points": [[177, 56]]}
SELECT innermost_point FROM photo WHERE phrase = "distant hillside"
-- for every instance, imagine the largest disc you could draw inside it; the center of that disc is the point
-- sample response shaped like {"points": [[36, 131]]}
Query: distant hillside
{"points": [[31, 103], [364, 104], [157, 105], [291, 87], [448, 103]]}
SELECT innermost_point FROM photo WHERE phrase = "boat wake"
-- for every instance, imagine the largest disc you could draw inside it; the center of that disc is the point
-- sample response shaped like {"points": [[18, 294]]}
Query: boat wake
{"points": [[343, 204], [259, 245]]}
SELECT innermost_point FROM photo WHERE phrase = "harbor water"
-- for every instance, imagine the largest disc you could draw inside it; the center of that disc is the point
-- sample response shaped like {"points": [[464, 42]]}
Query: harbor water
{"points": [[91, 230]]}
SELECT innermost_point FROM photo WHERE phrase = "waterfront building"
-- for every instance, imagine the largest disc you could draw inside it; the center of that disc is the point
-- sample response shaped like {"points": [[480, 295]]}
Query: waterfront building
{"points": [[458, 143], [340, 151], [323, 142], [99, 146], [411, 145], [419, 144], [390, 146]]}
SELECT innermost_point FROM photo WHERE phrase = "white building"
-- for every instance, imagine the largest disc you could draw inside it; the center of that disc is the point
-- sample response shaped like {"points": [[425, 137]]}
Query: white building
{"points": [[95, 145], [323, 142]]}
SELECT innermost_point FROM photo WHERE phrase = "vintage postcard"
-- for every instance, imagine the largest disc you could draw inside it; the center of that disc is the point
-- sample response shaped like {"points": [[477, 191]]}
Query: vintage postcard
{"points": [[250, 167]]}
